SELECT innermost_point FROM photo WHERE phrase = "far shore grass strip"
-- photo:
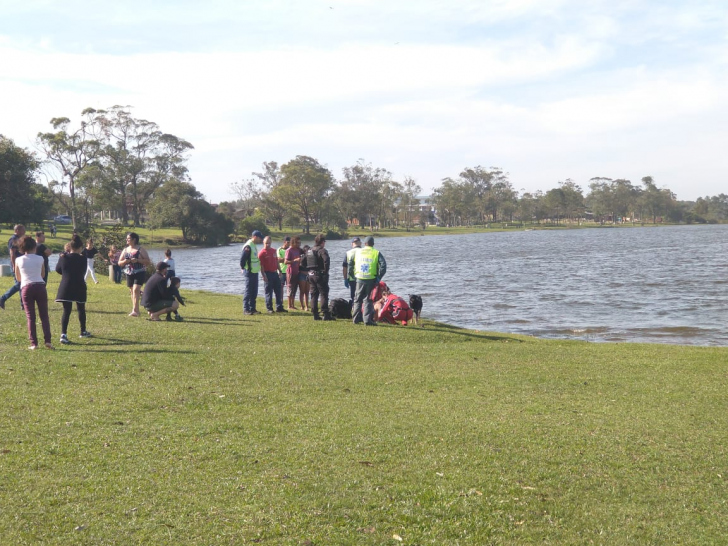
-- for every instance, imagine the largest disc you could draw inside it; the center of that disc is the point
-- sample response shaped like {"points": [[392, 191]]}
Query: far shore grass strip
{"points": [[225, 429]]}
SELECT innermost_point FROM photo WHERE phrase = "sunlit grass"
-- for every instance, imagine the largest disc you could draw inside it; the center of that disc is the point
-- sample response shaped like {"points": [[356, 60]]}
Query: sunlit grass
{"points": [[225, 429]]}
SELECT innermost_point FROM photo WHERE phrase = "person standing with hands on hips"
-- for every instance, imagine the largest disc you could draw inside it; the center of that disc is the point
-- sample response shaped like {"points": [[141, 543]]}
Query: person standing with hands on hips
{"points": [[368, 266]]}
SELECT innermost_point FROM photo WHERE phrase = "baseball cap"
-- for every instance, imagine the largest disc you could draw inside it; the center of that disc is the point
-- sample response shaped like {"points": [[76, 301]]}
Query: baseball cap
{"points": [[369, 240], [162, 265], [257, 233], [356, 240]]}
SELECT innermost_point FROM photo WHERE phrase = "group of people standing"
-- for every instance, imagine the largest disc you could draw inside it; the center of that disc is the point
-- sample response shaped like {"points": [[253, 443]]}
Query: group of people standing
{"points": [[307, 270], [29, 263]]}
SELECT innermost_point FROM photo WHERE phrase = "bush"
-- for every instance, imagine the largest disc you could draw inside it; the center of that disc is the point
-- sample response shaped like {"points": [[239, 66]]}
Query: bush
{"points": [[251, 223]]}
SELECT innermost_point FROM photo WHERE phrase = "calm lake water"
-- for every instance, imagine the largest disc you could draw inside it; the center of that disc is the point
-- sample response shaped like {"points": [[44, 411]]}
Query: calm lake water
{"points": [[665, 285]]}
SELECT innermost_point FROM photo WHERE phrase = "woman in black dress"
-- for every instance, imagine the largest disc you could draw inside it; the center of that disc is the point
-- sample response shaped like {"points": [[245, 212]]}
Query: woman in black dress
{"points": [[72, 267]]}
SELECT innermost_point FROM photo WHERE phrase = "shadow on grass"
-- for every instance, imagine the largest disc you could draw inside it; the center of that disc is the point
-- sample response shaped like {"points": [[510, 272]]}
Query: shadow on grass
{"points": [[118, 349], [448, 329], [213, 321]]}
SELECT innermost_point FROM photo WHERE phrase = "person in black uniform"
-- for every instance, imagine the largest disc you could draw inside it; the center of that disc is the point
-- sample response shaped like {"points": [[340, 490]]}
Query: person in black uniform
{"points": [[317, 261]]}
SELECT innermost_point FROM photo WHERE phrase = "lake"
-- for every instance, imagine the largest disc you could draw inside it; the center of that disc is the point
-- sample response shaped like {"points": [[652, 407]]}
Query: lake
{"points": [[664, 285]]}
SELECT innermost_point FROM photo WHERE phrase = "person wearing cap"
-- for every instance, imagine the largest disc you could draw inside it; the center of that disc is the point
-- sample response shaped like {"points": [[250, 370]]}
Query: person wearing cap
{"points": [[282, 261], [155, 298], [250, 266], [318, 263], [350, 280], [368, 266], [271, 276]]}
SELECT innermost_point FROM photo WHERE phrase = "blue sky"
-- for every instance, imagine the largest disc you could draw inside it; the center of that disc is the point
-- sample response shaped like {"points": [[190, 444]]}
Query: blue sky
{"points": [[545, 89]]}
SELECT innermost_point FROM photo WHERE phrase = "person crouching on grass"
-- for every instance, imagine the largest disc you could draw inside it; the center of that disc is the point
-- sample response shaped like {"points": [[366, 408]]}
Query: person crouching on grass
{"points": [[156, 297]]}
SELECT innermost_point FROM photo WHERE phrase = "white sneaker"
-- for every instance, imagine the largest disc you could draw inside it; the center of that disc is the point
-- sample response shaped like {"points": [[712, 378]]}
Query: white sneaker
{"points": [[85, 333], [64, 340]]}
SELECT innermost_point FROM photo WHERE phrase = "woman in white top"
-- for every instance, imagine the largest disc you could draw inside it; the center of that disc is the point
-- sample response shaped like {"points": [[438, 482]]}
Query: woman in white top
{"points": [[30, 269]]}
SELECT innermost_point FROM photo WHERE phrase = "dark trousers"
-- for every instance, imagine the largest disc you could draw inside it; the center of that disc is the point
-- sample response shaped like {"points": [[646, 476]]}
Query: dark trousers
{"points": [[32, 295], [319, 286], [273, 286], [362, 303], [66, 316], [250, 290], [352, 293]]}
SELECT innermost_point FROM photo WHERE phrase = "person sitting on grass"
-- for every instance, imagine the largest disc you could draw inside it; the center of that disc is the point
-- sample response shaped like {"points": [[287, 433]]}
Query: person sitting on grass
{"points": [[156, 298], [173, 294]]}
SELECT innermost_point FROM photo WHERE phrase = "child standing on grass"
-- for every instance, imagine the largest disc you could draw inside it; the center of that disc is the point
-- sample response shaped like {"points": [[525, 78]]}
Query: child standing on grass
{"points": [[29, 270], [170, 263], [173, 293], [89, 253]]}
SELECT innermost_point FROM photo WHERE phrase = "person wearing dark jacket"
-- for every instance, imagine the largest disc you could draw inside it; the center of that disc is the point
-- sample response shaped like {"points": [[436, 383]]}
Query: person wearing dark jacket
{"points": [[318, 262], [156, 299], [72, 267]]}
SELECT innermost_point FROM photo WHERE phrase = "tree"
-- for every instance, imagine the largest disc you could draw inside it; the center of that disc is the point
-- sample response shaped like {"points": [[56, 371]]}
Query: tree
{"points": [[410, 191], [69, 153], [274, 209], [179, 204], [366, 193], [22, 199], [304, 186]]}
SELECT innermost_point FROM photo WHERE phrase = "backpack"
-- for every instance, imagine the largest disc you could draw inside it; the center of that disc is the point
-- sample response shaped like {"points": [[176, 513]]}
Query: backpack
{"points": [[340, 309]]}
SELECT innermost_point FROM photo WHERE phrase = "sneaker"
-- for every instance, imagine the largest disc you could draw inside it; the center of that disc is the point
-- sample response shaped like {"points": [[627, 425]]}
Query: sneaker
{"points": [[2, 303], [64, 340], [281, 310], [85, 334], [169, 318], [32, 347], [178, 318], [328, 317], [255, 312], [248, 313], [270, 311]]}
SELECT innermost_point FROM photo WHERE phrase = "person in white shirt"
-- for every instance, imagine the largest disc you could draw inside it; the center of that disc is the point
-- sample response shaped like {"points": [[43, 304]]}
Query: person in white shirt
{"points": [[30, 270]]}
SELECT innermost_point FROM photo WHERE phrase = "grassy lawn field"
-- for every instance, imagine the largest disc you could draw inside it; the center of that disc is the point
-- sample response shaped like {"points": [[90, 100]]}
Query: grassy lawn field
{"points": [[225, 429]]}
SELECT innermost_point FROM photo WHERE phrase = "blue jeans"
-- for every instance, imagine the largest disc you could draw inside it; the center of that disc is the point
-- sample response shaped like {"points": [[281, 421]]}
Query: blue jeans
{"points": [[12, 290], [273, 286], [117, 274], [250, 290]]}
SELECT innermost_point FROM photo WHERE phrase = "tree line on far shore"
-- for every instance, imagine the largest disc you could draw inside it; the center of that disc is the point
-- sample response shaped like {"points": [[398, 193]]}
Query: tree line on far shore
{"points": [[112, 161]]}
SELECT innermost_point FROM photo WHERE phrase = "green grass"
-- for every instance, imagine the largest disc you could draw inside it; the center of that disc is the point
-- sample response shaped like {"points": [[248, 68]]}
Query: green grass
{"points": [[226, 429]]}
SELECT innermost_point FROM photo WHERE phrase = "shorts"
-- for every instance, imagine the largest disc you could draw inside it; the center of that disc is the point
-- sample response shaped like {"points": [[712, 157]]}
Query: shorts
{"points": [[158, 305], [136, 278], [302, 277], [292, 289]]}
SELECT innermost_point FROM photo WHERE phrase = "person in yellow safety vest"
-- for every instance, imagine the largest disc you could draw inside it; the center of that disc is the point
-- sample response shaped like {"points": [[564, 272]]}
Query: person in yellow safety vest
{"points": [[250, 266], [350, 280], [282, 261], [368, 266]]}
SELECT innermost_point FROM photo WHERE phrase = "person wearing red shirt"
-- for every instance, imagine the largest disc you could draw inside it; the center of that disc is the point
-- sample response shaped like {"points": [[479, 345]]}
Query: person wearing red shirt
{"points": [[269, 264]]}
